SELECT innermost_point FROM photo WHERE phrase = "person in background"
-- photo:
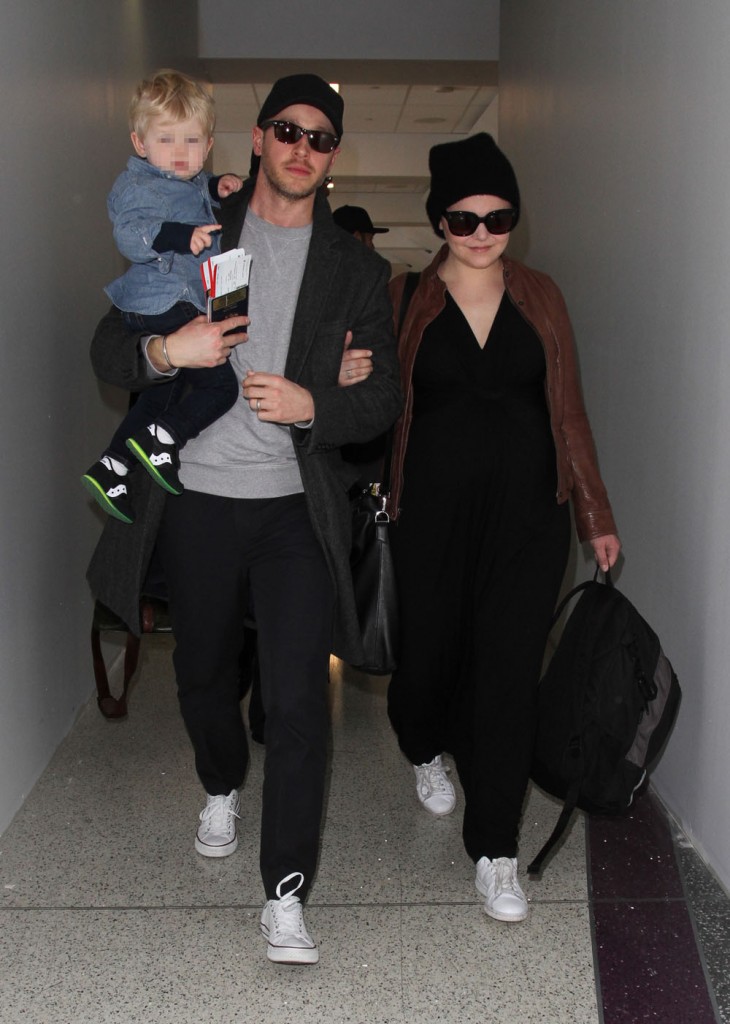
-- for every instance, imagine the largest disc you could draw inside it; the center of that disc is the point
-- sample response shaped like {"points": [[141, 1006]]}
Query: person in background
{"points": [[493, 441], [367, 458], [264, 514], [357, 221]]}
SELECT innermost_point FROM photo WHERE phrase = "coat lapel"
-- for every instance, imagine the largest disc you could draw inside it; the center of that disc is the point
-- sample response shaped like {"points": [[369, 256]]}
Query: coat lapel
{"points": [[319, 272]]}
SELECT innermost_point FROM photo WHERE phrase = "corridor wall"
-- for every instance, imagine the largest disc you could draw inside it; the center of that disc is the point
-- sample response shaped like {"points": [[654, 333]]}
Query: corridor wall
{"points": [[615, 116], [66, 76]]}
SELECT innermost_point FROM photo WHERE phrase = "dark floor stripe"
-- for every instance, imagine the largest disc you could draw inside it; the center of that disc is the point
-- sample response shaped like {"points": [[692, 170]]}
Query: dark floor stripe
{"points": [[648, 966]]}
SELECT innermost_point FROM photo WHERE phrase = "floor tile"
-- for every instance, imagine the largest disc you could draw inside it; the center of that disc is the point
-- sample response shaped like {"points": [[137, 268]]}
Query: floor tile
{"points": [[642, 864], [649, 966], [108, 915], [177, 967], [461, 966], [710, 909]]}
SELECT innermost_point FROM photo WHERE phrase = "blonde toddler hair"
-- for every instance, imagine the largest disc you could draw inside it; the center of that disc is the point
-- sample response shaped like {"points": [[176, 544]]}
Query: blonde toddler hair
{"points": [[173, 95]]}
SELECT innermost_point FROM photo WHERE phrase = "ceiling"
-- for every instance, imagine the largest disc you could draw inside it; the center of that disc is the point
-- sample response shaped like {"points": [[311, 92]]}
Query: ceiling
{"points": [[394, 112]]}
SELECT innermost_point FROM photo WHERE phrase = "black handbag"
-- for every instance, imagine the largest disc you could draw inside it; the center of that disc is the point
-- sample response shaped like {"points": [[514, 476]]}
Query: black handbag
{"points": [[371, 563], [373, 579]]}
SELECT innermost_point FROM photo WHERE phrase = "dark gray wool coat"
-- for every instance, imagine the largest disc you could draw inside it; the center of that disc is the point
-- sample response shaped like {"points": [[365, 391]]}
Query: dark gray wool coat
{"points": [[344, 288]]}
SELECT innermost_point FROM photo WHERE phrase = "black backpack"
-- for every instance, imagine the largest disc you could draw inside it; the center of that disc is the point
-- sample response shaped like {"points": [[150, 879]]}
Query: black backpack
{"points": [[606, 705]]}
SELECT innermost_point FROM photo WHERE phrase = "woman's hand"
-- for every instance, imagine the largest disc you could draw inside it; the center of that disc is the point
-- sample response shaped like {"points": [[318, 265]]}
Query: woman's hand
{"points": [[198, 344], [356, 366], [606, 550]]}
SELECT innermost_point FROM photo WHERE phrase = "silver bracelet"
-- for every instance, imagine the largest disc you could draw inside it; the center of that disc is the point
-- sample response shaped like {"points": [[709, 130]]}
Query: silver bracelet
{"points": [[164, 353]]}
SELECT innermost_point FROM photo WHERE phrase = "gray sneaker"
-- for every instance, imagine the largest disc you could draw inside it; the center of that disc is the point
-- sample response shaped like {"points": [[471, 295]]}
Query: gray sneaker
{"points": [[497, 881], [282, 925], [434, 790], [216, 835]]}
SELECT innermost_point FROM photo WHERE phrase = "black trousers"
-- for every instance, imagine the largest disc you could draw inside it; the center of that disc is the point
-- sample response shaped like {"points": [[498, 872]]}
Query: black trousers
{"points": [[186, 404], [213, 550], [467, 677]]}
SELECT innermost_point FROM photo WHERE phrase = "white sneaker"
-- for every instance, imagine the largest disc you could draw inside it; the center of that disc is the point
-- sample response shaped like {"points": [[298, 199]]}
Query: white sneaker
{"points": [[282, 925], [216, 835], [434, 790], [497, 881]]}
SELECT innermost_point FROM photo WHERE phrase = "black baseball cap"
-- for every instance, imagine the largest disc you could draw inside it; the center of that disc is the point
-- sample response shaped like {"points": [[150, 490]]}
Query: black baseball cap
{"points": [[310, 90], [355, 218]]}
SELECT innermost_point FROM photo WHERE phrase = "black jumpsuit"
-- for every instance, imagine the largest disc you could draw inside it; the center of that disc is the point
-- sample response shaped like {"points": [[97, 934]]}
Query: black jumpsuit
{"points": [[480, 550]]}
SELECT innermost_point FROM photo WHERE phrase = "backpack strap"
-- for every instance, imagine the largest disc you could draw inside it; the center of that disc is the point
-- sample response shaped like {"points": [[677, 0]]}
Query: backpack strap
{"points": [[577, 590], [573, 793], [571, 800]]}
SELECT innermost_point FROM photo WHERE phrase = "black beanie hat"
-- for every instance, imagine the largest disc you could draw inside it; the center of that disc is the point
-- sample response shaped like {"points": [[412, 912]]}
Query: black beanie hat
{"points": [[309, 89], [471, 167]]}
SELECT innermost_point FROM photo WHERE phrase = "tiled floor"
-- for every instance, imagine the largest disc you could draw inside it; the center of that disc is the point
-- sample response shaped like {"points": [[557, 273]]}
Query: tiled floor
{"points": [[109, 915]]}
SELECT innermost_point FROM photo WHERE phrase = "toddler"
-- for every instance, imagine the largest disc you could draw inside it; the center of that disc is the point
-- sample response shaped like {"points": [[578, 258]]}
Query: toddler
{"points": [[161, 208]]}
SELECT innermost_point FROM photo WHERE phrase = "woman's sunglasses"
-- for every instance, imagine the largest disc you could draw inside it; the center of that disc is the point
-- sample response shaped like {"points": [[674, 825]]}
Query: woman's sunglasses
{"points": [[289, 133], [462, 222]]}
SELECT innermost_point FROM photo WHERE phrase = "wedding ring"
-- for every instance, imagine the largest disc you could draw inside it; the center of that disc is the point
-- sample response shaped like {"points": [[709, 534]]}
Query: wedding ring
{"points": [[348, 374], [258, 404]]}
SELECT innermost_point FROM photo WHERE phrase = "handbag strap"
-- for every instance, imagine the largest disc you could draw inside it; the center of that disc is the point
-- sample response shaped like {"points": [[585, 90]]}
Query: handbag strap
{"points": [[411, 283], [409, 287]]}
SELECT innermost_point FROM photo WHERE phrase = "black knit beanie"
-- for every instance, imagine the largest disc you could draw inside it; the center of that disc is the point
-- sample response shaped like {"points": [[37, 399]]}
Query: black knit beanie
{"points": [[471, 167], [308, 89]]}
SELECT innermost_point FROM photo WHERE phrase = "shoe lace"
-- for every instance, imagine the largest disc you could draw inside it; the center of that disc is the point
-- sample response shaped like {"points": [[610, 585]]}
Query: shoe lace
{"points": [[217, 814], [505, 876], [288, 915], [287, 910], [435, 777]]}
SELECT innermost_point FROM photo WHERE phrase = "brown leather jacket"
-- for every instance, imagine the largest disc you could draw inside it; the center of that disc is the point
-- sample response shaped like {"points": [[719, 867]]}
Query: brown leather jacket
{"points": [[540, 302]]}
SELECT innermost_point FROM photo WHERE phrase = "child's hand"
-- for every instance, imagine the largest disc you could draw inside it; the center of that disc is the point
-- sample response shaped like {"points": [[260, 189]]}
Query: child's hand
{"points": [[228, 183], [201, 237]]}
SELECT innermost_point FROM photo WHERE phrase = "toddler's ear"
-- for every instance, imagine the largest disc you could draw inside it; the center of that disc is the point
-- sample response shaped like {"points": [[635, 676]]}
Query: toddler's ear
{"points": [[138, 145]]}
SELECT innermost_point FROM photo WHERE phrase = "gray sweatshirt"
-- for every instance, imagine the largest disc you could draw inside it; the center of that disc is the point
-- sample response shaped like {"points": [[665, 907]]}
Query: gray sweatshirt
{"points": [[238, 456]]}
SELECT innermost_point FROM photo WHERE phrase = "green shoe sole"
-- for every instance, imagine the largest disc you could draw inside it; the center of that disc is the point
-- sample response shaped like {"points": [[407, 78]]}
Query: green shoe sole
{"points": [[140, 454], [100, 496]]}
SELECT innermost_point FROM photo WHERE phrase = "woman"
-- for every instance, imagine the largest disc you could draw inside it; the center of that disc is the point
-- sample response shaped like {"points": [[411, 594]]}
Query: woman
{"points": [[493, 441]]}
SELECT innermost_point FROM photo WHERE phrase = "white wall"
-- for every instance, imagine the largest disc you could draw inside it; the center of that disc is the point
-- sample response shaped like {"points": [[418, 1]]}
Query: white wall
{"points": [[616, 117], [66, 74], [376, 30]]}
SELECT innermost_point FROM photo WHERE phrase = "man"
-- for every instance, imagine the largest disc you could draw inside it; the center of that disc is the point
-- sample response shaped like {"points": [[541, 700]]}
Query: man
{"points": [[265, 510], [357, 221]]}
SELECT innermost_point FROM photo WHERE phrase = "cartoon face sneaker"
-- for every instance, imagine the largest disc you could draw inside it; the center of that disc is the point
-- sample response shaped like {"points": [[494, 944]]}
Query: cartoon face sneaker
{"points": [[161, 460], [109, 489], [496, 880], [282, 925], [434, 790]]}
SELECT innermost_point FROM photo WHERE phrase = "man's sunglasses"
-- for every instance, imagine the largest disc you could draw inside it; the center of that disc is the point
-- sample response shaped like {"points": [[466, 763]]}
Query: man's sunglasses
{"points": [[289, 133], [462, 222]]}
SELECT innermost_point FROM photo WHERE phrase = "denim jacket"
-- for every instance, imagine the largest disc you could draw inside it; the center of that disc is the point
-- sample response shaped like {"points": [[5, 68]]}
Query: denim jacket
{"points": [[142, 199]]}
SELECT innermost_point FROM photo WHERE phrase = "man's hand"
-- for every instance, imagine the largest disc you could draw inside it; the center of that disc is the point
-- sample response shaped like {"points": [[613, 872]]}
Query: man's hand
{"points": [[198, 344], [356, 366], [201, 237], [229, 183], [275, 399]]}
